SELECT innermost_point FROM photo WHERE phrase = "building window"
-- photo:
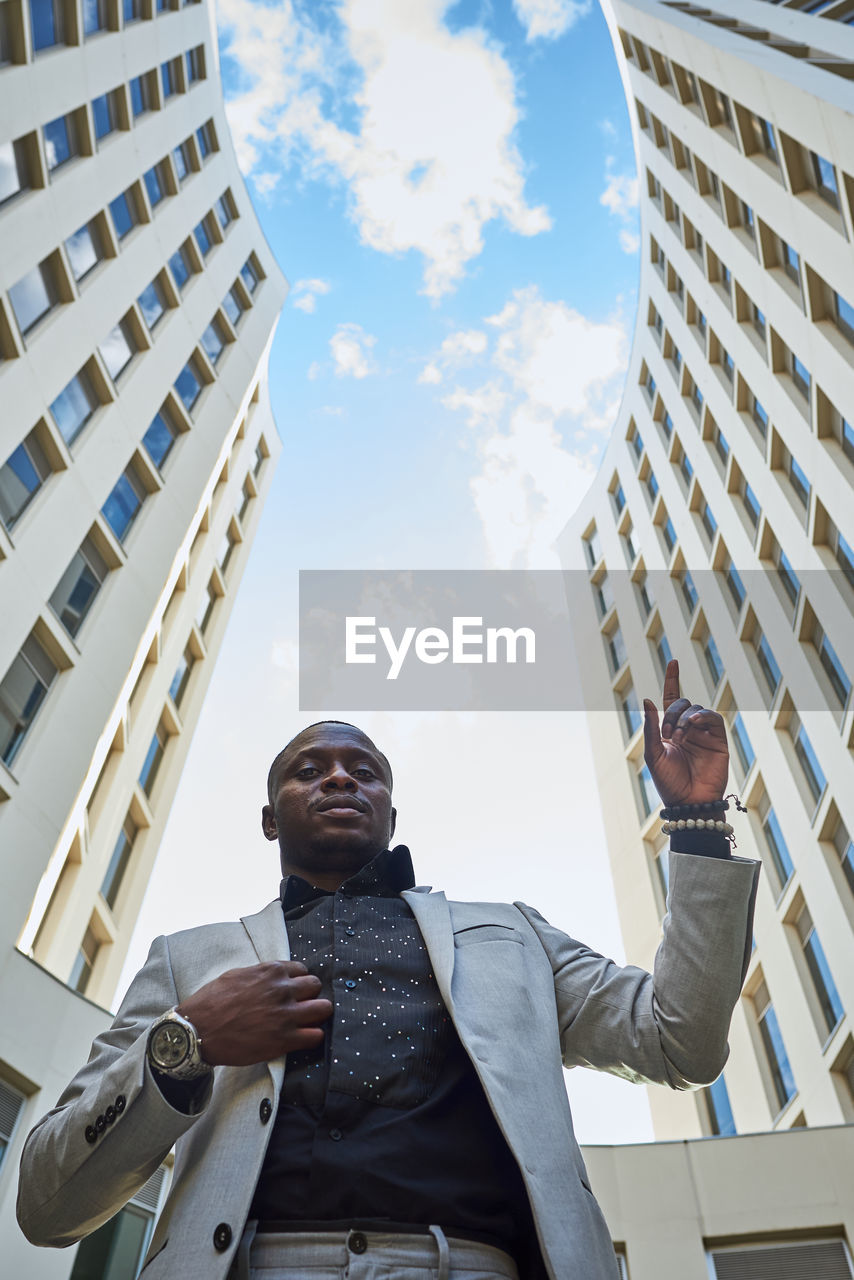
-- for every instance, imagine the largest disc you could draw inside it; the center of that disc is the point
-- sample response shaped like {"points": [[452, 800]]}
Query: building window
{"points": [[195, 64], [844, 846], [94, 16], [807, 758], [206, 607], [261, 458], [787, 577], [233, 306], [843, 314], [751, 503], [22, 692], [759, 416], [34, 295], [781, 1258], [224, 210], [189, 384], [141, 96], [708, 521], [123, 504], [181, 678], [767, 662], [21, 476], [775, 1051], [226, 550], [619, 498], [592, 547], [645, 595], [61, 142], [689, 591], [669, 534], [652, 486], [826, 182], [118, 349], [790, 262], [832, 667], [14, 169], [777, 847], [74, 406], [213, 341], [248, 495], [131, 10], [662, 651], [667, 424], [799, 482], [743, 745], [649, 799], [181, 266], [160, 437], [819, 971], [203, 238], [153, 759], [170, 77], [601, 590], [105, 114], [152, 303], [47, 23], [631, 711], [721, 444], [76, 590], [206, 138], [118, 863], [85, 249], [721, 1121], [81, 970], [616, 647], [155, 184], [182, 160], [12, 1103], [800, 375], [250, 275], [124, 214], [734, 584]]}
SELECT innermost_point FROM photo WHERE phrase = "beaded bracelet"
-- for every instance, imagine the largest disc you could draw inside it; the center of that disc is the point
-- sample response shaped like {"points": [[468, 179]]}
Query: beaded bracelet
{"points": [[690, 817], [697, 824]]}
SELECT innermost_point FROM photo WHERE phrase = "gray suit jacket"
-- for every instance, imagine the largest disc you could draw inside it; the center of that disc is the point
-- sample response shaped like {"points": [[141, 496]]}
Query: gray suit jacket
{"points": [[526, 1000]]}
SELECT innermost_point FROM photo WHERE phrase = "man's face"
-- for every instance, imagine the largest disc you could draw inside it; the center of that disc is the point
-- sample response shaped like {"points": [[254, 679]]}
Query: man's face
{"points": [[331, 808]]}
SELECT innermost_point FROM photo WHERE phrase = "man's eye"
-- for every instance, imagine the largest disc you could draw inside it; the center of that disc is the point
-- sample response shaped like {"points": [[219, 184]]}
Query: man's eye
{"points": [[309, 768], [369, 772]]}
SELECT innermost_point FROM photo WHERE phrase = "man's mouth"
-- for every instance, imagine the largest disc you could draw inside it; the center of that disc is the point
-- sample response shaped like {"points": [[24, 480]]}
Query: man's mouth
{"points": [[341, 807]]}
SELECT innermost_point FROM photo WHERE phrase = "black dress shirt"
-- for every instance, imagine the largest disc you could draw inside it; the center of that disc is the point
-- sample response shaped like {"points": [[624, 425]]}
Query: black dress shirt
{"points": [[385, 1125]]}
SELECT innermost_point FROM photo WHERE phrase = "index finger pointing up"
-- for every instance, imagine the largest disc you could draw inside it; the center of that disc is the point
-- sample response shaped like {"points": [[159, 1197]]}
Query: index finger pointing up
{"points": [[671, 683]]}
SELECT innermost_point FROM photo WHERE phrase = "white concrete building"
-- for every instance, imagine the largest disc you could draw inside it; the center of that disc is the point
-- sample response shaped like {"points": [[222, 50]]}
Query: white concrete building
{"points": [[720, 528], [138, 300]]}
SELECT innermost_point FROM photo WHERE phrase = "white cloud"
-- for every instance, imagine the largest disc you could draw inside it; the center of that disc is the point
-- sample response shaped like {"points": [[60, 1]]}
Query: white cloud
{"points": [[305, 293], [553, 383], [621, 198], [314, 370], [351, 351], [456, 349], [425, 170], [265, 183], [549, 19]]}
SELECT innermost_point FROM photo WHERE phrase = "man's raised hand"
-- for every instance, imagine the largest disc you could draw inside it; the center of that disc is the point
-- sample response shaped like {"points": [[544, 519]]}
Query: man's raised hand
{"points": [[686, 752], [257, 1013]]}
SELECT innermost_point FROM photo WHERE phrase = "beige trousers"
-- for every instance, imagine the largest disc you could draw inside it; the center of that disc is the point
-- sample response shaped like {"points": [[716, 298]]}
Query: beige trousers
{"points": [[366, 1255]]}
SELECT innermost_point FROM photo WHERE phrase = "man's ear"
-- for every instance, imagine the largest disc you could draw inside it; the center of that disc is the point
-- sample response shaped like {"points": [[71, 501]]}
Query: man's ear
{"points": [[268, 822], [392, 824]]}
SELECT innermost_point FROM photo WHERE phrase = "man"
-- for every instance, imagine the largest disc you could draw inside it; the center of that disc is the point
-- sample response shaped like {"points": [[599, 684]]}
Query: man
{"points": [[385, 1096]]}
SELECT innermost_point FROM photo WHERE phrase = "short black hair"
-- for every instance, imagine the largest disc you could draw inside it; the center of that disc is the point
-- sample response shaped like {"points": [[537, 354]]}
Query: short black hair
{"points": [[278, 759]]}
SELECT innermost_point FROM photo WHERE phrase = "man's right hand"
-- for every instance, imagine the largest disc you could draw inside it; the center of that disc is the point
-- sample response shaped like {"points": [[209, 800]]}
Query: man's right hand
{"points": [[258, 1013]]}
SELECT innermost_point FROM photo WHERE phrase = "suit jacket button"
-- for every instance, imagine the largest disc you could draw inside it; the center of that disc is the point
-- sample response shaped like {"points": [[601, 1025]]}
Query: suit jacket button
{"points": [[120, 1104], [90, 1134], [222, 1237], [110, 1114], [100, 1124], [265, 1110]]}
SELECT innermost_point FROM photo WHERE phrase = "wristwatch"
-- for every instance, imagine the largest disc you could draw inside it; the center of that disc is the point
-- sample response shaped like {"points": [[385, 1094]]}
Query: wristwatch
{"points": [[174, 1048]]}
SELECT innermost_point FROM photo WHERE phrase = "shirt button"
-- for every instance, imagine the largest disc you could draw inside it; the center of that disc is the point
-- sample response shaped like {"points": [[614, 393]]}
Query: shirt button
{"points": [[336, 1135], [357, 1242], [222, 1237], [265, 1110], [349, 983], [89, 1134]]}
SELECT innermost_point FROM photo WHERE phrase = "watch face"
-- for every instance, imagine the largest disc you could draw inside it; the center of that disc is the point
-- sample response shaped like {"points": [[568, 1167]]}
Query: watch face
{"points": [[170, 1044]]}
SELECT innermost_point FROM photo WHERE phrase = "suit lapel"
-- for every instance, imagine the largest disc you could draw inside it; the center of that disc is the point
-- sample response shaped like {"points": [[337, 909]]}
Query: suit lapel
{"points": [[269, 937], [433, 918]]}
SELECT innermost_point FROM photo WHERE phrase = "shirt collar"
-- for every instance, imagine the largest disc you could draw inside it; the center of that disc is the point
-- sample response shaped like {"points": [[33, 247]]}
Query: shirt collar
{"points": [[385, 876]]}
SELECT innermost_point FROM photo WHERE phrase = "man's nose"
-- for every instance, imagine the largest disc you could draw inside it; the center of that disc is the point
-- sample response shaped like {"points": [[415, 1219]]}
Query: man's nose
{"points": [[338, 777]]}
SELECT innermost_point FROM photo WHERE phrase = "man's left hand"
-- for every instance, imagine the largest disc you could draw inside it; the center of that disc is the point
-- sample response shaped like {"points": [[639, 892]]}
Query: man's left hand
{"points": [[687, 753]]}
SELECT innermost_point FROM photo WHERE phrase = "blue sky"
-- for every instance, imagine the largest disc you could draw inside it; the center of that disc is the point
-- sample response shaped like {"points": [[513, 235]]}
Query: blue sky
{"points": [[450, 189]]}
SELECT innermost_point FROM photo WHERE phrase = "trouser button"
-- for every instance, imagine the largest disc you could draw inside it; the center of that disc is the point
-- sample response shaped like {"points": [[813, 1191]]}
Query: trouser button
{"points": [[357, 1242]]}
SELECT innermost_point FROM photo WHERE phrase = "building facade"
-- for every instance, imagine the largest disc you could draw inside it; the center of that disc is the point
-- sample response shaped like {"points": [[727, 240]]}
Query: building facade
{"points": [[720, 528], [138, 301]]}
